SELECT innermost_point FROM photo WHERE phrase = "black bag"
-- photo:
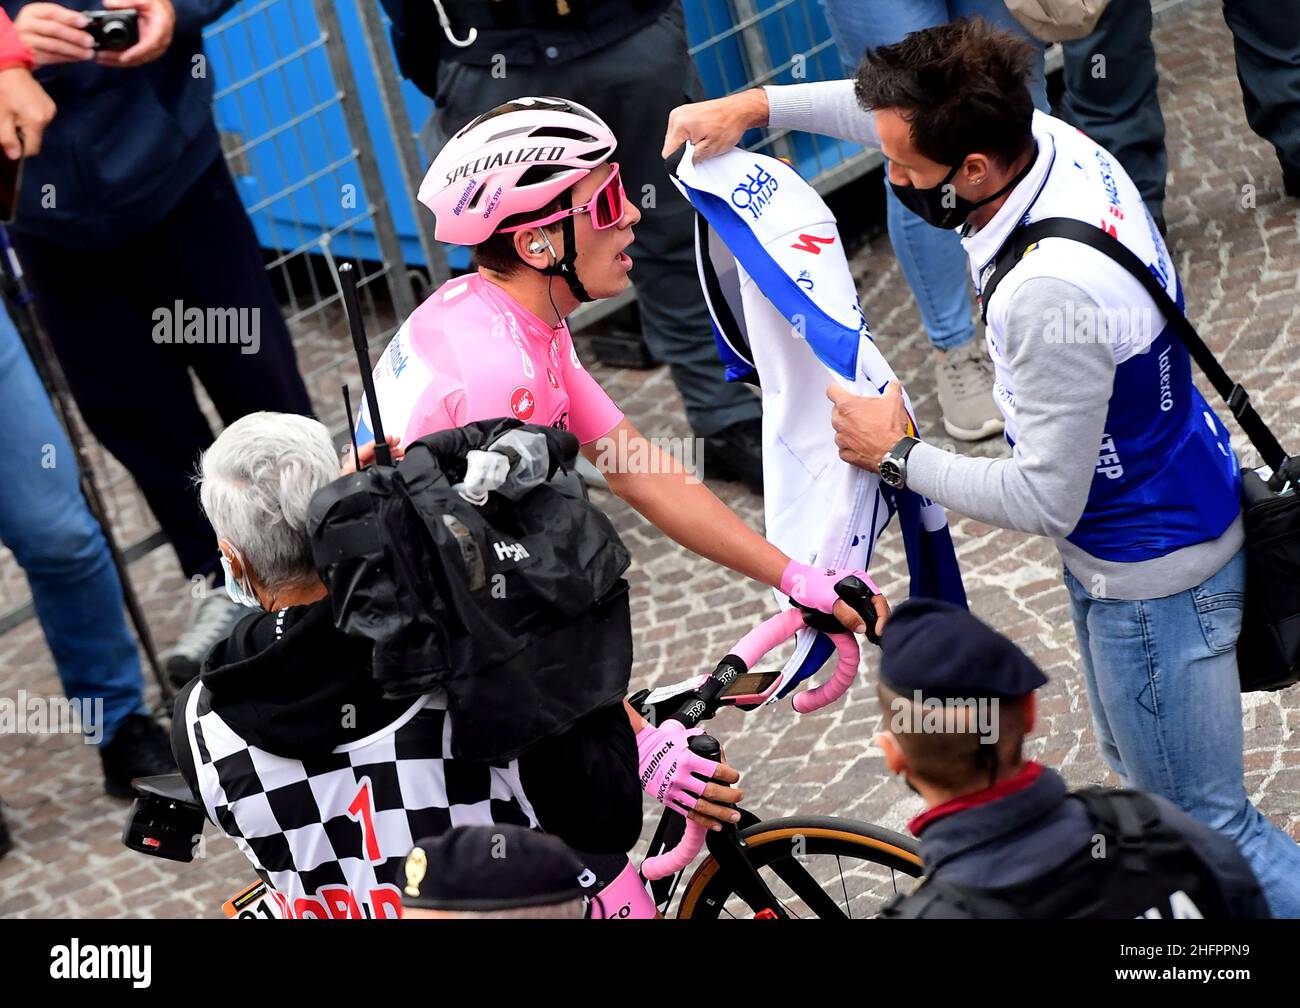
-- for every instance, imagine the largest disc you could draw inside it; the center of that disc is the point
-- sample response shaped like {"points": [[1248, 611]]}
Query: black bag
{"points": [[518, 609], [1268, 650], [1135, 864]]}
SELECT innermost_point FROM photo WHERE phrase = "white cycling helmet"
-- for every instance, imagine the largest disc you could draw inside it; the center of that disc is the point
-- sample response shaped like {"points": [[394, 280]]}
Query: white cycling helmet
{"points": [[516, 158]]}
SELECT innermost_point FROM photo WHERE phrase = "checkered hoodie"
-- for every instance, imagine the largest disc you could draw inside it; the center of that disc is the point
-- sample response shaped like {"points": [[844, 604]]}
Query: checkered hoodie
{"points": [[320, 781]]}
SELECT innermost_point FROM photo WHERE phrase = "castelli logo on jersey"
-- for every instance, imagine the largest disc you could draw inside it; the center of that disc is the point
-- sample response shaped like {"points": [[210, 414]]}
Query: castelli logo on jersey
{"points": [[522, 403], [550, 377]]}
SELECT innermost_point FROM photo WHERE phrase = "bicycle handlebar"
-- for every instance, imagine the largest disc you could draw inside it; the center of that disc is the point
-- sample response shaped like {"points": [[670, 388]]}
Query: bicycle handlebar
{"points": [[750, 650], [670, 862]]}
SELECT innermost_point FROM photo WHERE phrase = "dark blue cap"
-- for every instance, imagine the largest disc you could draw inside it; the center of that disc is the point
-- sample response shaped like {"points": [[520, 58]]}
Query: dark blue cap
{"points": [[944, 652], [498, 867]]}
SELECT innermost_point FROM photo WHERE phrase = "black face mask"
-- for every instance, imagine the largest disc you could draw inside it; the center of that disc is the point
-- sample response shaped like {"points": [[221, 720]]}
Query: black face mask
{"points": [[948, 209]]}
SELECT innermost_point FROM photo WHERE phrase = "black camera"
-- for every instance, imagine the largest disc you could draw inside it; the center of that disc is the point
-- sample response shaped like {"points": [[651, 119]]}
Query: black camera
{"points": [[114, 30], [166, 820]]}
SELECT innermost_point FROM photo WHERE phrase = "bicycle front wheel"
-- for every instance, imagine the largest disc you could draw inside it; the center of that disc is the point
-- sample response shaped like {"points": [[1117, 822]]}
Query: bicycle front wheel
{"points": [[815, 866]]}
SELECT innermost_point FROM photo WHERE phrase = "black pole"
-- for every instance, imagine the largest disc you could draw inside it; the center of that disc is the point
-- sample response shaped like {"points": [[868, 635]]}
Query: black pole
{"points": [[41, 352], [348, 283]]}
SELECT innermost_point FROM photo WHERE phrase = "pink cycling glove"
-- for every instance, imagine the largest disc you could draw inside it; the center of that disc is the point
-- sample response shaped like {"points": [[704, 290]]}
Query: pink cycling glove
{"points": [[667, 765], [814, 587]]}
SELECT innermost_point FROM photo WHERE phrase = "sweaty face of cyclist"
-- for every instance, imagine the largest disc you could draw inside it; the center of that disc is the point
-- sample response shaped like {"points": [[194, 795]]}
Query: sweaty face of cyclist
{"points": [[603, 263]]}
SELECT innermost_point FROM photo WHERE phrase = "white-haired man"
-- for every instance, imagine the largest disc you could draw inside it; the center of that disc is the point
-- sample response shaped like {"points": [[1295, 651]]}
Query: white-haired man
{"points": [[296, 755]]}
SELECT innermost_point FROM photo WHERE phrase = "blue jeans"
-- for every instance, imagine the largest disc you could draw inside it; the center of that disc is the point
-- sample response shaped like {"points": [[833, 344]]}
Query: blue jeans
{"points": [[931, 258], [1166, 706], [44, 520]]}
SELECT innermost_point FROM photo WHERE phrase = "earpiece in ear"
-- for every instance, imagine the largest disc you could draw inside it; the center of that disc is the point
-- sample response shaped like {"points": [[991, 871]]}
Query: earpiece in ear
{"points": [[535, 247]]}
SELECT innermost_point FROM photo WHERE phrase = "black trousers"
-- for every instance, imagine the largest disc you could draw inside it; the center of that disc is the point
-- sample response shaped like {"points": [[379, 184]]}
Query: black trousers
{"points": [[1116, 103], [103, 309]]}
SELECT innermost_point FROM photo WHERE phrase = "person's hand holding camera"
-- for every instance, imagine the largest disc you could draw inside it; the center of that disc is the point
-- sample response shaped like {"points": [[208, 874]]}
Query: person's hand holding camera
{"points": [[54, 33], [157, 22]]}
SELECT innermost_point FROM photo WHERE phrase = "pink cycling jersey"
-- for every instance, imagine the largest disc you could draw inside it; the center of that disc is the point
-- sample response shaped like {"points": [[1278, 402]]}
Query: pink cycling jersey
{"points": [[471, 352]]}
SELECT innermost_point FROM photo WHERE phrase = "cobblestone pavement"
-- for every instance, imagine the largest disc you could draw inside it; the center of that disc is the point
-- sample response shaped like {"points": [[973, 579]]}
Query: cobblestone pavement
{"points": [[1240, 264]]}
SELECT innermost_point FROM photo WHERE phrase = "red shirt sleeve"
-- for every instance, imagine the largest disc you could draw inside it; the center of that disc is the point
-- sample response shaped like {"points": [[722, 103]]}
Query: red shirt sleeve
{"points": [[12, 51]]}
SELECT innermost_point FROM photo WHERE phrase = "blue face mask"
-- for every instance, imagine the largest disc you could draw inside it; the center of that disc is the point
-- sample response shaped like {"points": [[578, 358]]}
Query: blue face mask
{"points": [[240, 593]]}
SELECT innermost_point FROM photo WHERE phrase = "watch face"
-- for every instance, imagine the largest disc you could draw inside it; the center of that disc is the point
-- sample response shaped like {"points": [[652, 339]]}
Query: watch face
{"points": [[890, 474]]}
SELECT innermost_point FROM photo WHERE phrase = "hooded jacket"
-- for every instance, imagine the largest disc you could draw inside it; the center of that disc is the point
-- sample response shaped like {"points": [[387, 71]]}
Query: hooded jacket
{"points": [[325, 785]]}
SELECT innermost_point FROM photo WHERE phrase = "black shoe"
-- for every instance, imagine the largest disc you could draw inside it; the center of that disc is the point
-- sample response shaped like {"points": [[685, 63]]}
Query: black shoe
{"points": [[736, 453], [139, 748], [6, 842]]}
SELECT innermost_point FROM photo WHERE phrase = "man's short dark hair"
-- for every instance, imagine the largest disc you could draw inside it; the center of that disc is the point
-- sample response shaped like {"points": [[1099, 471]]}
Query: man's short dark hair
{"points": [[963, 86], [497, 251]]}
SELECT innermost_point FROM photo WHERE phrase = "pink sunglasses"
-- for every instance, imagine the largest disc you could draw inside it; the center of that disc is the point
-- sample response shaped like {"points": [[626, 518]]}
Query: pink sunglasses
{"points": [[606, 206]]}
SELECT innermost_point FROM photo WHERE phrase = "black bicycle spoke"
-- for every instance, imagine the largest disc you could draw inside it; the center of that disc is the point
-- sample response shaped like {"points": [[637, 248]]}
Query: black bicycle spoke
{"points": [[844, 886], [803, 885]]}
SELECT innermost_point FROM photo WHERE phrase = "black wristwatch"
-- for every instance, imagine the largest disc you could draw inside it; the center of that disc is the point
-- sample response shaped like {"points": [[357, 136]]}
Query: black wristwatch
{"points": [[893, 467]]}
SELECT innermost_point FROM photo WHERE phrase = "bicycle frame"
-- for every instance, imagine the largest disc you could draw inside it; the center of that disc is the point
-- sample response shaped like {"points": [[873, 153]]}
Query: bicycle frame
{"points": [[676, 842]]}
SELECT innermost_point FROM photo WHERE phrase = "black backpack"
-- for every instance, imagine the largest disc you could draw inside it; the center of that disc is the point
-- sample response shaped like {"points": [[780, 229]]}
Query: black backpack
{"points": [[1135, 865], [517, 608]]}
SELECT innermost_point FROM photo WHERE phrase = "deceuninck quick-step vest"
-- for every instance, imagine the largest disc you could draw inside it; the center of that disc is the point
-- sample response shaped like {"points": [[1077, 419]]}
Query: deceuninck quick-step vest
{"points": [[786, 316]]}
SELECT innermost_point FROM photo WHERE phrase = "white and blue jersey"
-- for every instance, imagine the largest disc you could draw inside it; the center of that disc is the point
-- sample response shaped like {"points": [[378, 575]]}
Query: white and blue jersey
{"points": [[786, 314]]}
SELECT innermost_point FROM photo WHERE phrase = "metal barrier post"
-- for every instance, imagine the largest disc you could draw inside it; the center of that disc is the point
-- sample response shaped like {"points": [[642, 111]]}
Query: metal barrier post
{"points": [[367, 167], [399, 124], [749, 21]]}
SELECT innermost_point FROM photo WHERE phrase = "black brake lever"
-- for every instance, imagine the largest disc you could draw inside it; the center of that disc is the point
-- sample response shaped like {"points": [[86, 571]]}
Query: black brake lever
{"points": [[854, 593]]}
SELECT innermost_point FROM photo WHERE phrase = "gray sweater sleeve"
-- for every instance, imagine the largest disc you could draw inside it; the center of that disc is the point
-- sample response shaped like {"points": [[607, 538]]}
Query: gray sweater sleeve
{"points": [[825, 107], [1062, 391]]}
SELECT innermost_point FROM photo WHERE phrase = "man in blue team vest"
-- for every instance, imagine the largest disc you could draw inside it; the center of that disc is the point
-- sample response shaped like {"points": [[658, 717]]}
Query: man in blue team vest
{"points": [[1116, 455]]}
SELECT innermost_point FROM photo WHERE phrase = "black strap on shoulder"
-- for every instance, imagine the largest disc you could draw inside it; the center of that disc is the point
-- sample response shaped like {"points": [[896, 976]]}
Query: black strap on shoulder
{"points": [[1129, 816], [181, 736], [1236, 397]]}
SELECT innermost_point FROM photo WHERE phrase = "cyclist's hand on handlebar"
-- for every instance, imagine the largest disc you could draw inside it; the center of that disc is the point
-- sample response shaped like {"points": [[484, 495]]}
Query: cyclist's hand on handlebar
{"points": [[847, 615], [707, 812], [682, 780], [846, 594]]}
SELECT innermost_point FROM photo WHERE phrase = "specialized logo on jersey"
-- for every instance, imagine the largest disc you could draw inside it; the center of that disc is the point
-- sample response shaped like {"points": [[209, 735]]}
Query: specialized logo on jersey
{"points": [[812, 243], [522, 403]]}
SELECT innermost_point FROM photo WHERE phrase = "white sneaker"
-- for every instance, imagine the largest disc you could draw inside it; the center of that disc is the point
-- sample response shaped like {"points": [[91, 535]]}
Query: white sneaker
{"points": [[965, 380], [211, 620]]}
